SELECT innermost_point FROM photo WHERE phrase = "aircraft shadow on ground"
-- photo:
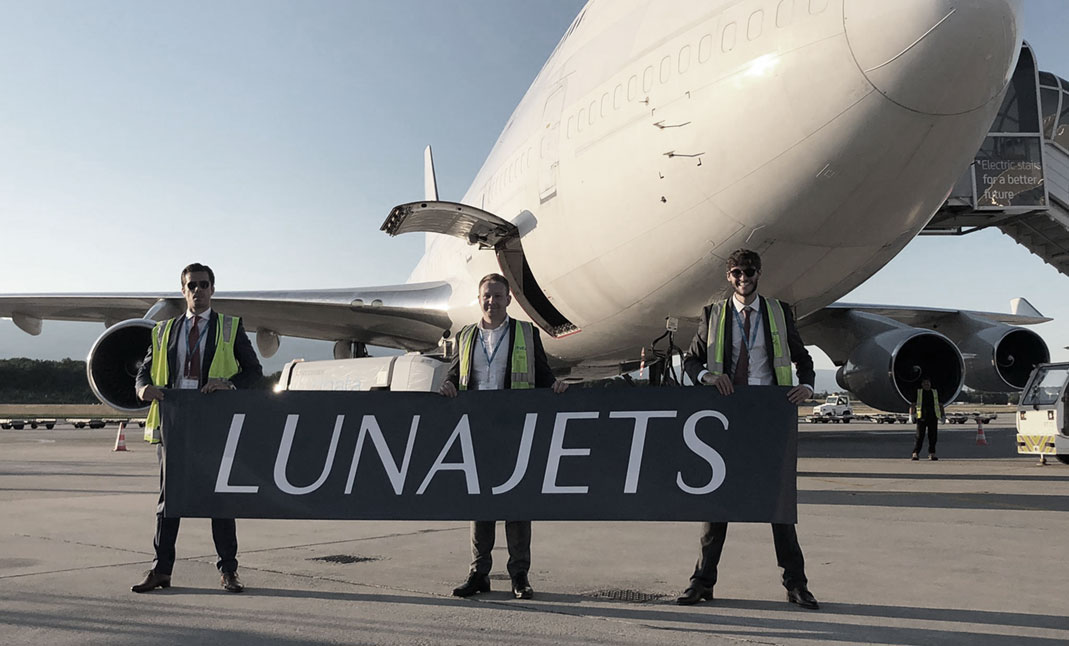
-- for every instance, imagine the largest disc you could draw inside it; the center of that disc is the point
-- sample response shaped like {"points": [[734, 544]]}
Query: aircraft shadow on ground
{"points": [[181, 623], [936, 500], [931, 476], [1001, 444], [816, 625]]}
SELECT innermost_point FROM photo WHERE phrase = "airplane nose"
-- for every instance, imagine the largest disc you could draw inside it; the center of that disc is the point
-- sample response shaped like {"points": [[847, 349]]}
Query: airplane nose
{"points": [[938, 57]]}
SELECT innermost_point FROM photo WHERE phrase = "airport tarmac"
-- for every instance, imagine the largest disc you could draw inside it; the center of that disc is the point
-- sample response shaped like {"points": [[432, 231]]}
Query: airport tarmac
{"points": [[966, 550]]}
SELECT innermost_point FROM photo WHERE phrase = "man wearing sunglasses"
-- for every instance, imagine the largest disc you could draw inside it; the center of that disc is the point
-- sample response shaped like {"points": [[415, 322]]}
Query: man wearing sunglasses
{"points": [[202, 350], [748, 339]]}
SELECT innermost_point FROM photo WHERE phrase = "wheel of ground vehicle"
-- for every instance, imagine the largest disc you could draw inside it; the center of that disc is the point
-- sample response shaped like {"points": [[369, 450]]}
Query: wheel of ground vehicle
{"points": [[33, 425], [49, 426], [17, 427], [1064, 459]]}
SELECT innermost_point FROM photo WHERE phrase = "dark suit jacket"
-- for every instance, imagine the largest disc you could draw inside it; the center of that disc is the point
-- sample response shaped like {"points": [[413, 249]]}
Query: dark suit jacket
{"points": [[249, 375], [543, 373], [695, 359]]}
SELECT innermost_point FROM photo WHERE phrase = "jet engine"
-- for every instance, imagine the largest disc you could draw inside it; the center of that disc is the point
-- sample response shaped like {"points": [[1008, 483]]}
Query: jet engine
{"points": [[1000, 357], [113, 362], [885, 370]]}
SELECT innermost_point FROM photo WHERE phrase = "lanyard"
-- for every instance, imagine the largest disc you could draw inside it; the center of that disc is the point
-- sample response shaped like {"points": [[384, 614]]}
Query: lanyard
{"points": [[490, 355], [750, 338]]}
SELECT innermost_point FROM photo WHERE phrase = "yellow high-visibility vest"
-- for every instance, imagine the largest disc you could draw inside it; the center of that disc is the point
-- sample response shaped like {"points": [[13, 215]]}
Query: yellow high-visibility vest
{"points": [[935, 400], [224, 363], [777, 326], [523, 370]]}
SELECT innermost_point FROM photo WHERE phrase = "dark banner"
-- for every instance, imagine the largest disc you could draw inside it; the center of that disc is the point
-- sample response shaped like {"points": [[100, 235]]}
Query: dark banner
{"points": [[587, 454]]}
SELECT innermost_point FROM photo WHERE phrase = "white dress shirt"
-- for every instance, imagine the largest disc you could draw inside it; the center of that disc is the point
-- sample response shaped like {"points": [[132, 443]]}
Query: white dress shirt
{"points": [[183, 340], [760, 372], [490, 357]]}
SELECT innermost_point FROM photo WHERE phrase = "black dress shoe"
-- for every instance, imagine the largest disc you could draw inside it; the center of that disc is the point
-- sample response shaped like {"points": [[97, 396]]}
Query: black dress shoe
{"points": [[694, 594], [231, 582], [803, 597], [521, 587], [476, 583], [152, 580]]}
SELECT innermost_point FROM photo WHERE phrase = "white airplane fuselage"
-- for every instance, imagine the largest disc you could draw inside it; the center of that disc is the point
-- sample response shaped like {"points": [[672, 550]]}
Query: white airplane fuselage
{"points": [[661, 135]]}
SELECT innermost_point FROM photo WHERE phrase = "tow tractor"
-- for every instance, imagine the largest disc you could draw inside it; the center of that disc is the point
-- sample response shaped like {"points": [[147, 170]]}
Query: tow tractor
{"points": [[1042, 424]]}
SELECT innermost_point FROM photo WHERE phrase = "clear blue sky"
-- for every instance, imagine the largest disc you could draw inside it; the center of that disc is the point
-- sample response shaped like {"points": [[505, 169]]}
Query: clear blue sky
{"points": [[274, 137]]}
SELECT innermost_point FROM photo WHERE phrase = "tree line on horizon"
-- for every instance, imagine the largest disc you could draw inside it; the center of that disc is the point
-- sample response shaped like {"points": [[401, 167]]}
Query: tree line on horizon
{"points": [[46, 381]]}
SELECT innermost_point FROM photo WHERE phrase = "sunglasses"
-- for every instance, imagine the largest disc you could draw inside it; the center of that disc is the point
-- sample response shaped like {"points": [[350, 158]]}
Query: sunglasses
{"points": [[737, 272], [194, 284]]}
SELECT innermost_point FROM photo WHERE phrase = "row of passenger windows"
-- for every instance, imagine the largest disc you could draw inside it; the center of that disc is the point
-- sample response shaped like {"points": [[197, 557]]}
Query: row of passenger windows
{"points": [[514, 171], [662, 73], [1054, 100]]}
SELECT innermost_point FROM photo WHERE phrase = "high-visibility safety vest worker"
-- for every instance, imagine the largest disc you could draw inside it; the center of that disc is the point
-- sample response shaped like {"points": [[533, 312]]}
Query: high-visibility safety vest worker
{"points": [[522, 370], [777, 327], [935, 400], [224, 363]]}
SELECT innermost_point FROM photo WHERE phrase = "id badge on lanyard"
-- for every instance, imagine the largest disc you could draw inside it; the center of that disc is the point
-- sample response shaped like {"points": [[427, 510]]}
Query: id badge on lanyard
{"points": [[187, 384]]}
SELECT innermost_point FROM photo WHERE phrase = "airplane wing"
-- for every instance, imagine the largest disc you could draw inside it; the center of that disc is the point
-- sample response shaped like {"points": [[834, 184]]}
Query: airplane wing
{"points": [[838, 328], [1023, 313], [409, 317]]}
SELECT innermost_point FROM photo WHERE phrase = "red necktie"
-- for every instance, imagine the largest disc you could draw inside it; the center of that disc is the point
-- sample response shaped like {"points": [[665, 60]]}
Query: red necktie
{"points": [[193, 360], [742, 369]]}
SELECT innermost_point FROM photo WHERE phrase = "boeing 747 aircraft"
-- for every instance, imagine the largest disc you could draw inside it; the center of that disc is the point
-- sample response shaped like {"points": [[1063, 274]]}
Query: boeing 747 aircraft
{"points": [[659, 137]]}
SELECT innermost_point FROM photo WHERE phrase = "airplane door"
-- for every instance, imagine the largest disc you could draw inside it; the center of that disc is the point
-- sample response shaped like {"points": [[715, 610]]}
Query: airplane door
{"points": [[550, 147]]}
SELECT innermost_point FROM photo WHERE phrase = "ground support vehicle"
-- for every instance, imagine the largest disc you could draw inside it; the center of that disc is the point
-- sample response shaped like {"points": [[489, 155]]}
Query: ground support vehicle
{"points": [[836, 408], [1042, 424], [889, 418], [974, 416], [91, 423]]}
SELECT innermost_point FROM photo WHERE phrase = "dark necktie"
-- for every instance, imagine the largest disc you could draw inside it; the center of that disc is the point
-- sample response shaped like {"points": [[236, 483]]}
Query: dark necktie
{"points": [[742, 369], [193, 360]]}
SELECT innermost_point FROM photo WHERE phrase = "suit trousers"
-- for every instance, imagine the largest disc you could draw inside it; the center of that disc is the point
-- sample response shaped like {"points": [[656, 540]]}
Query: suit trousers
{"points": [[788, 555], [224, 534], [930, 425], [518, 536]]}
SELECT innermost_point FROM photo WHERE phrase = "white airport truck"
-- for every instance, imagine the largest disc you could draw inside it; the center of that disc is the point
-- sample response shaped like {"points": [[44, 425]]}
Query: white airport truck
{"points": [[836, 408], [1042, 424]]}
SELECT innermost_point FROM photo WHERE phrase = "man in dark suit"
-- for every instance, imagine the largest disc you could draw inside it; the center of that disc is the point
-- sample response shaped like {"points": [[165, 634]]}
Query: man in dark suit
{"points": [[201, 350], [480, 364], [749, 340]]}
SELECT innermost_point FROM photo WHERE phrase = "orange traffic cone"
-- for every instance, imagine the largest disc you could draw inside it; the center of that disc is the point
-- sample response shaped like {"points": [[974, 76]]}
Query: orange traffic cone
{"points": [[120, 439], [980, 439]]}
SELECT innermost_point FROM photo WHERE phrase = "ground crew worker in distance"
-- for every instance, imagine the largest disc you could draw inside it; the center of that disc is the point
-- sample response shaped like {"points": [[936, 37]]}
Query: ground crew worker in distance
{"points": [[927, 411], [749, 339], [499, 352], [201, 350]]}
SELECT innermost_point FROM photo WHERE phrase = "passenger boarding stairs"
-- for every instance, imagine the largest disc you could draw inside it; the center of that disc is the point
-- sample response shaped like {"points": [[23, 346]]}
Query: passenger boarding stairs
{"points": [[1019, 180]]}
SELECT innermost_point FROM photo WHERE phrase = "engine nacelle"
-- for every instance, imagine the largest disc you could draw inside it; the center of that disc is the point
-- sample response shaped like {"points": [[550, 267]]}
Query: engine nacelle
{"points": [[885, 370], [113, 362], [1001, 357]]}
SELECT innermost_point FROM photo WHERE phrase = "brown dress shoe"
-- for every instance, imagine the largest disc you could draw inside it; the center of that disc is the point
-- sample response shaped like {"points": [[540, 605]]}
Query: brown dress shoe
{"points": [[231, 582], [152, 580]]}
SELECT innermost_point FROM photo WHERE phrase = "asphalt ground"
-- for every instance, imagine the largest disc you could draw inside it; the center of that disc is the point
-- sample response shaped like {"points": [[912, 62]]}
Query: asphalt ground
{"points": [[966, 550]]}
